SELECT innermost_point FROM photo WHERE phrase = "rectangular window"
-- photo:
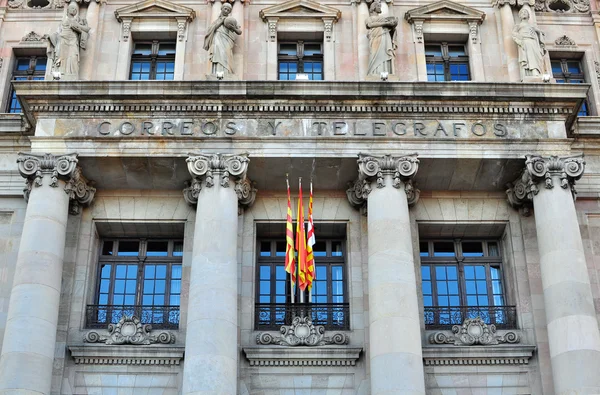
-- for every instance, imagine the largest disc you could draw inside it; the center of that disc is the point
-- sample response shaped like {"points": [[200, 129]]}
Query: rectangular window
{"points": [[463, 279], [447, 62], [26, 68], [329, 305], [141, 278], [153, 61], [300, 58], [569, 71]]}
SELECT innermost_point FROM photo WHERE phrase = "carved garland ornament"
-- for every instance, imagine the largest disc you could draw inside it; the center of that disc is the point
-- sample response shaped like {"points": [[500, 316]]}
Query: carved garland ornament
{"points": [[472, 332], [204, 169], [564, 41], [562, 6], [129, 330], [568, 169], [64, 167], [370, 168], [302, 332], [43, 4], [31, 37]]}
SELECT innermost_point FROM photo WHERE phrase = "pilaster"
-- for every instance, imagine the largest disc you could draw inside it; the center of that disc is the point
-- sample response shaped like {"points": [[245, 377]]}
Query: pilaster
{"points": [[218, 186], [573, 335], [26, 362], [385, 185]]}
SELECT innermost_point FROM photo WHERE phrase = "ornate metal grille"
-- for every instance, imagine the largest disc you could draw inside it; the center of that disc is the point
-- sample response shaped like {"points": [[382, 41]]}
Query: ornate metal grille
{"points": [[160, 317], [333, 316], [438, 317]]}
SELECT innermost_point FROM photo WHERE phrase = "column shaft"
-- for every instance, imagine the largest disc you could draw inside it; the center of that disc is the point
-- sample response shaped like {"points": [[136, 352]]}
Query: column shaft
{"points": [[394, 328], [211, 347], [573, 334], [510, 47], [29, 341]]}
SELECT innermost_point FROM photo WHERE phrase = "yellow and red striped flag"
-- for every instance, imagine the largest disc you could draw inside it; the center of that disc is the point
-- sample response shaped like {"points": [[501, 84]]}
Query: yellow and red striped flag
{"points": [[310, 258], [290, 262], [301, 244]]}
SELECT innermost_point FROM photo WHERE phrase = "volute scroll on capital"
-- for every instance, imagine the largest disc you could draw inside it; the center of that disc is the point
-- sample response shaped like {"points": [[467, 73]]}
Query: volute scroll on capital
{"points": [[33, 167], [540, 169], [375, 168], [204, 168]]}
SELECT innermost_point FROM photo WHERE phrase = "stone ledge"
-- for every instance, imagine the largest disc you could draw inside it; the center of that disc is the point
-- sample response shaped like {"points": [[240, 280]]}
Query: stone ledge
{"points": [[302, 356], [478, 355], [13, 123], [126, 355]]}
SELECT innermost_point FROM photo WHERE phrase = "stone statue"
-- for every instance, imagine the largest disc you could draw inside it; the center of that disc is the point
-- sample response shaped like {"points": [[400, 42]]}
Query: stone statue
{"points": [[220, 39], [63, 46], [382, 40], [530, 40]]}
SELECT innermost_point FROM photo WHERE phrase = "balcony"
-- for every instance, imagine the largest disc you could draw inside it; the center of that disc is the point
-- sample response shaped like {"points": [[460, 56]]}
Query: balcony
{"points": [[444, 317], [271, 316], [160, 317]]}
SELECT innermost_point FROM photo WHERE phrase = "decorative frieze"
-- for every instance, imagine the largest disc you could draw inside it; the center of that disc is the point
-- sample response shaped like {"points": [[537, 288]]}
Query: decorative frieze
{"points": [[372, 168], [539, 169], [564, 41], [33, 167], [31, 37], [208, 169], [514, 3], [505, 354], [302, 356], [562, 6], [474, 331], [91, 354], [129, 330], [302, 332]]}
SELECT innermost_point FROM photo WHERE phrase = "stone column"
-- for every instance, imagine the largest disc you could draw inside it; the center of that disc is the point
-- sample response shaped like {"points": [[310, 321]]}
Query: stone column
{"points": [[507, 21], [361, 38], [211, 346], [475, 58], [89, 54], [240, 42], [29, 340], [396, 362], [573, 335], [125, 48]]}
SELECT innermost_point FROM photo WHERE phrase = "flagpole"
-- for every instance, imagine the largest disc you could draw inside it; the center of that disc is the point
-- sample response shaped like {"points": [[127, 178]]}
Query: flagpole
{"points": [[292, 296], [310, 219], [301, 292]]}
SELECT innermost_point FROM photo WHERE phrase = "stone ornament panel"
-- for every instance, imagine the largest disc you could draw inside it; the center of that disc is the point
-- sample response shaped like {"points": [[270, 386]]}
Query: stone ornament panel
{"points": [[51, 4], [562, 6], [129, 330], [302, 332], [63, 167], [373, 168], [474, 331], [539, 169], [204, 168]]}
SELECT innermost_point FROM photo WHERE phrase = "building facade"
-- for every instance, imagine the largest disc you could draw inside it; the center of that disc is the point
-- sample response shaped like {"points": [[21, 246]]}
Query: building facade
{"points": [[145, 148]]}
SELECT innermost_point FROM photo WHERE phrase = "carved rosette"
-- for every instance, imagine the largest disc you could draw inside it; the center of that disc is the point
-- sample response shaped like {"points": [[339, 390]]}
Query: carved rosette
{"points": [[129, 330], [302, 332], [63, 167], [372, 168], [539, 169], [206, 169], [474, 331]]}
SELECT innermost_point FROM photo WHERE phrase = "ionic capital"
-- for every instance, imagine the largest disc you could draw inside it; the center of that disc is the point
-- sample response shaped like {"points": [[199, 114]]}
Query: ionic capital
{"points": [[33, 167], [204, 168], [402, 169], [538, 169]]}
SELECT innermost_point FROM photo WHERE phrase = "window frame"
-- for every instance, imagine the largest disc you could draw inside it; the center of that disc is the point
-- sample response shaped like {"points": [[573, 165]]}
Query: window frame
{"points": [[448, 60], [567, 78], [300, 58], [31, 74], [154, 58]]}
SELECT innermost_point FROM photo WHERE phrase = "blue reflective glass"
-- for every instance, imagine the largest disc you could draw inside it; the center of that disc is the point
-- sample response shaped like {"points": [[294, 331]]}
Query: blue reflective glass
{"points": [[451, 271], [103, 299], [426, 286], [469, 272], [442, 288], [265, 272], [440, 272], [104, 286], [454, 301], [148, 286], [174, 300], [175, 286], [149, 271], [480, 272], [425, 272], [265, 287], [159, 286], [159, 300], [453, 287], [280, 273], [427, 300], [130, 286]]}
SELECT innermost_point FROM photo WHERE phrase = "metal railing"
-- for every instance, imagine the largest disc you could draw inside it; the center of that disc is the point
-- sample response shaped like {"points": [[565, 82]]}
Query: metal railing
{"points": [[444, 317], [271, 316], [160, 317]]}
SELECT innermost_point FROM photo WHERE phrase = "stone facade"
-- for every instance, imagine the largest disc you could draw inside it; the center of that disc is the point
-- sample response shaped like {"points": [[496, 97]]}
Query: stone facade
{"points": [[89, 159]]}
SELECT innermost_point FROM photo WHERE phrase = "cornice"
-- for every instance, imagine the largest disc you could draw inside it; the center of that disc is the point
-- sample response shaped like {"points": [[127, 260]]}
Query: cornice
{"points": [[478, 355], [127, 355], [302, 356]]}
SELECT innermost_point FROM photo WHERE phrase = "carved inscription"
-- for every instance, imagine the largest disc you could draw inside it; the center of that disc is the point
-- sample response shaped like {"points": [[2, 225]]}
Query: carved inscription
{"points": [[401, 128]]}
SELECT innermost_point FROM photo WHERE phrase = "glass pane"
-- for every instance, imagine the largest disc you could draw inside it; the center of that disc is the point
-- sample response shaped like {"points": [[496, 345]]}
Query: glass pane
{"points": [[265, 272], [104, 286], [176, 271], [288, 49], [149, 271], [159, 286], [428, 300], [265, 287], [320, 248], [105, 271], [493, 249], [22, 64], [440, 273], [265, 248], [280, 273], [144, 49], [556, 67], [336, 248], [312, 49], [129, 248], [336, 273], [166, 49], [174, 300], [480, 272], [426, 287], [148, 286], [158, 248], [443, 248], [495, 273], [451, 272], [130, 286], [425, 272], [456, 50], [574, 67], [424, 248], [175, 286], [40, 64], [433, 50], [178, 248], [321, 272], [107, 248], [161, 271], [131, 271], [121, 271], [280, 247], [472, 248]]}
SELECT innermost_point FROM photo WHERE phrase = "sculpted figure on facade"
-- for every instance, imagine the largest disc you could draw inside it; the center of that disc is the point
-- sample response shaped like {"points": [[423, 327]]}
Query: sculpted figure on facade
{"points": [[382, 34], [530, 40], [64, 45], [220, 39]]}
